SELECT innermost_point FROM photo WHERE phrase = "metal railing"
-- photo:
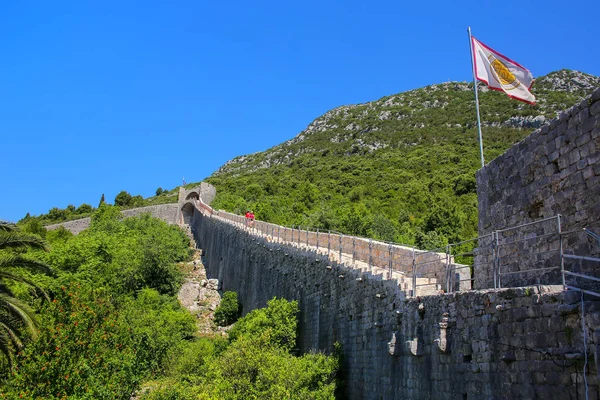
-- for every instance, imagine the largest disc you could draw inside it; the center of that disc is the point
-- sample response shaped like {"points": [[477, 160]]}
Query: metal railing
{"points": [[576, 267], [527, 254]]}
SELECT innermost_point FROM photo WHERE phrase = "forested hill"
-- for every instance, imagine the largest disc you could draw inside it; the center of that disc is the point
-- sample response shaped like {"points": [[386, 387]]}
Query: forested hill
{"points": [[400, 168]]}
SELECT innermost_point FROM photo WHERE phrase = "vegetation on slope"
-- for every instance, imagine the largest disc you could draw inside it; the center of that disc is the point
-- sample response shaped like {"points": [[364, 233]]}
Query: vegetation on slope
{"points": [[114, 322], [113, 319], [255, 362], [400, 169]]}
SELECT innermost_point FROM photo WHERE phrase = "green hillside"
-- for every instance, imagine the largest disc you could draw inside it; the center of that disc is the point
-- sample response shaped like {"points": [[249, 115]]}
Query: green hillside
{"points": [[399, 169]]}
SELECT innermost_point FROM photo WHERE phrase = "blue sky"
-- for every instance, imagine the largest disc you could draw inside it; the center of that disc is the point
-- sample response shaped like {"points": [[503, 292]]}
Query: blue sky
{"points": [[99, 97]]}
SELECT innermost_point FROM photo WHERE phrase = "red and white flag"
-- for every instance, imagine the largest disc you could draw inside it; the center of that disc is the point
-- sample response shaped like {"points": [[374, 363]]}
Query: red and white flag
{"points": [[502, 73]]}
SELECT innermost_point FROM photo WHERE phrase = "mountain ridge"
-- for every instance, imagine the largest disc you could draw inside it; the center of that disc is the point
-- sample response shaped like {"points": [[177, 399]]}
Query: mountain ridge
{"points": [[400, 168], [573, 82]]}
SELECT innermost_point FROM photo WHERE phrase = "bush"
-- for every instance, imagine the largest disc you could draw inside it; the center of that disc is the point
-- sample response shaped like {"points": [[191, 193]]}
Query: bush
{"points": [[255, 363], [82, 351], [275, 325], [229, 309], [84, 209], [159, 329], [137, 201], [61, 234], [123, 199], [34, 226]]}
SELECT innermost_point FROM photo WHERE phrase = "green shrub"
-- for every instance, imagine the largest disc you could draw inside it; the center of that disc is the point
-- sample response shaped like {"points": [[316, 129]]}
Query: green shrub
{"points": [[159, 325], [84, 209], [229, 309], [137, 201], [122, 199], [82, 351], [34, 226], [170, 390], [275, 324]]}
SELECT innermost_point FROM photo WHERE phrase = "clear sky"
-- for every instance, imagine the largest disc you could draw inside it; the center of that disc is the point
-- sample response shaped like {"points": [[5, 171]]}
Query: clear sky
{"points": [[103, 96]]}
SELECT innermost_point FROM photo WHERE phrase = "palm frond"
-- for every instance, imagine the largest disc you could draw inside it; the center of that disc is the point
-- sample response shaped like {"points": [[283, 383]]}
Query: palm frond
{"points": [[11, 334], [18, 261], [14, 240], [18, 278], [7, 348], [20, 310], [7, 226]]}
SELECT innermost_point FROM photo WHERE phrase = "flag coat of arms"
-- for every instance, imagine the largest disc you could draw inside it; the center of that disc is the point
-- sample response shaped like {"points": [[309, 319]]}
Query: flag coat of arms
{"points": [[502, 73]]}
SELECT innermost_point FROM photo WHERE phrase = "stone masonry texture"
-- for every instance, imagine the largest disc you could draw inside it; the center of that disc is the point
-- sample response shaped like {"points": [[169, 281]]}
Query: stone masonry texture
{"points": [[555, 170], [170, 213], [166, 212], [506, 344]]}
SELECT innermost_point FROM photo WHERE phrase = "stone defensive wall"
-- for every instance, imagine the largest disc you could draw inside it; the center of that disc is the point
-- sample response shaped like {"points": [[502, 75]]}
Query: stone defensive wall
{"points": [[172, 213], [166, 212], [489, 344], [554, 171], [75, 226], [430, 268]]}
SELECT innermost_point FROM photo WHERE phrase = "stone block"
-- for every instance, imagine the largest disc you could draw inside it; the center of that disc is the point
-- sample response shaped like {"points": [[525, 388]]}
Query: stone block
{"points": [[595, 108], [574, 156], [520, 314], [539, 378], [563, 162], [583, 139], [587, 149], [589, 124], [574, 120], [583, 114]]}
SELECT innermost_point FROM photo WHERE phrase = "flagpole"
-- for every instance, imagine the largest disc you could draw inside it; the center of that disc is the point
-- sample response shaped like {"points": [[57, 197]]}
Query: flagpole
{"points": [[476, 98]]}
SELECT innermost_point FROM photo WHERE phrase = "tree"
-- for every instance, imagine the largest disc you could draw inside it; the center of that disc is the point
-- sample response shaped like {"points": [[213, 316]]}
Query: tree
{"points": [[58, 214], [16, 317], [123, 199], [84, 209], [159, 191], [34, 226], [102, 201], [137, 201]]}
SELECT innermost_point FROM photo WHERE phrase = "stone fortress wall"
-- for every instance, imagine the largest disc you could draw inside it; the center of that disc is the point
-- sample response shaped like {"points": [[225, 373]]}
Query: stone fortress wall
{"points": [[555, 170], [510, 343], [166, 212], [170, 213], [392, 260]]}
